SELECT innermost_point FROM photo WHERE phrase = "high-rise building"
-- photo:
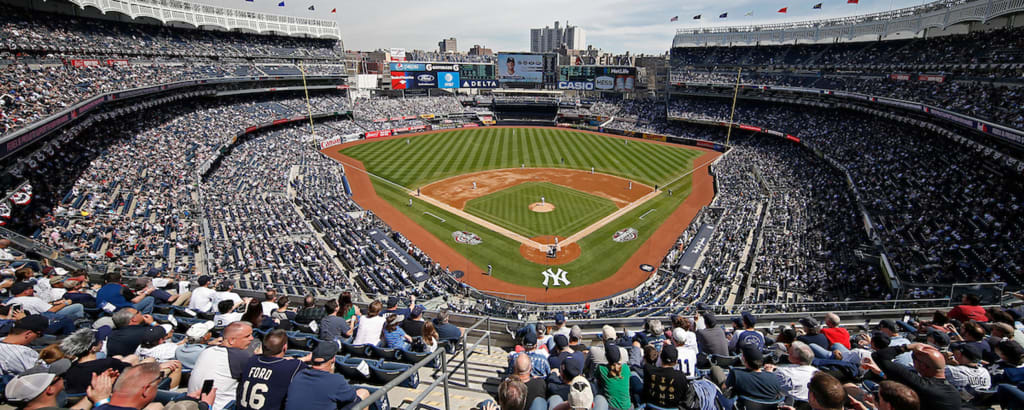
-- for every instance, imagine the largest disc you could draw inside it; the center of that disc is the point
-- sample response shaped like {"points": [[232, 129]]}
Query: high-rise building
{"points": [[447, 45], [547, 39], [478, 50]]}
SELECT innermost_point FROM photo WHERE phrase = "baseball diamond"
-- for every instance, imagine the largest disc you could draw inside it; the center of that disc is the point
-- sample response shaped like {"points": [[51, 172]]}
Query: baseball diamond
{"points": [[463, 164]]}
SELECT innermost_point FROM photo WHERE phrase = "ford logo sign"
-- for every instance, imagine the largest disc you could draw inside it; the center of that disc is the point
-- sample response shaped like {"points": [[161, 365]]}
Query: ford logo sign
{"points": [[425, 77]]}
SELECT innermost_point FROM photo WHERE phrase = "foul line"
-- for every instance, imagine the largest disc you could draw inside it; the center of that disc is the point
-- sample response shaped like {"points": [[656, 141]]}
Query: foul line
{"points": [[435, 216], [645, 213]]}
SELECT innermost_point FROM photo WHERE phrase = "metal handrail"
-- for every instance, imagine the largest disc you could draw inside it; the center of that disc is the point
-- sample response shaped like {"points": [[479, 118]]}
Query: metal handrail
{"points": [[372, 398]]}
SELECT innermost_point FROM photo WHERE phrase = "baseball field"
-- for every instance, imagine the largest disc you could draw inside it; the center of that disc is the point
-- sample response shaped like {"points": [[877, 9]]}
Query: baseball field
{"points": [[503, 196]]}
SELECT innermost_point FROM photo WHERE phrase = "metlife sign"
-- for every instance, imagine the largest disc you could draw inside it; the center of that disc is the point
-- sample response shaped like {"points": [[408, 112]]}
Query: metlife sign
{"points": [[575, 85], [479, 84]]}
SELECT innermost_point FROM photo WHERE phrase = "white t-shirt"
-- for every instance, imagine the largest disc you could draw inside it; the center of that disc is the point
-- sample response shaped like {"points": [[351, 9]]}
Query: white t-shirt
{"points": [[202, 299], [225, 366], [45, 291], [368, 330], [220, 320], [269, 307], [794, 379], [228, 295], [161, 352], [32, 305], [963, 376]]}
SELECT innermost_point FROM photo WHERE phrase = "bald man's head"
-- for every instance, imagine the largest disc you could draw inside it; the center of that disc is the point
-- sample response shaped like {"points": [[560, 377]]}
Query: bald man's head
{"points": [[523, 364], [136, 386], [930, 363], [238, 335]]}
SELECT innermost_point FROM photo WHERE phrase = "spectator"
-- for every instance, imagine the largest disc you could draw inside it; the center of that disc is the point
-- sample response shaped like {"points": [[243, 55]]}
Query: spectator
{"points": [[334, 327], [15, 355], [223, 364], [119, 296], [270, 301], [394, 336], [413, 324], [267, 377], [135, 388], [203, 296], [834, 332], [129, 329], [369, 328], [930, 380], [430, 337], [749, 335], [82, 348], [896, 396], [196, 338], [796, 375], [812, 334], [536, 388], [613, 378], [560, 326], [511, 396], [889, 328], [226, 314], [968, 309], [751, 382], [156, 343], [445, 330], [61, 311], [318, 387], [963, 370], [310, 312], [540, 367], [665, 386], [40, 387], [825, 392], [711, 339]]}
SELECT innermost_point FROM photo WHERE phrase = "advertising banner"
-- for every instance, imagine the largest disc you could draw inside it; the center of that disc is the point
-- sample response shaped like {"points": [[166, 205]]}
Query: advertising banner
{"points": [[933, 78], [85, 63], [396, 253], [900, 77], [479, 84], [654, 137], [378, 134], [397, 54], [407, 67], [695, 248], [593, 77], [448, 79], [520, 68]]}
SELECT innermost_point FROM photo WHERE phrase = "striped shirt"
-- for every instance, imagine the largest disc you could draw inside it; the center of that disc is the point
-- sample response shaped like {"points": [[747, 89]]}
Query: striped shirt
{"points": [[15, 359]]}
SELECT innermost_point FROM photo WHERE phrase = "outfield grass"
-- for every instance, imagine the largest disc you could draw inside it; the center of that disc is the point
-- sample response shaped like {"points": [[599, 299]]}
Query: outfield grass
{"points": [[482, 149], [574, 210], [433, 157]]}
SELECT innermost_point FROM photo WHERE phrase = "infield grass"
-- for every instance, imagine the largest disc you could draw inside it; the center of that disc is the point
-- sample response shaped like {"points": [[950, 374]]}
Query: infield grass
{"points": [[510, 208], [432, 157]]}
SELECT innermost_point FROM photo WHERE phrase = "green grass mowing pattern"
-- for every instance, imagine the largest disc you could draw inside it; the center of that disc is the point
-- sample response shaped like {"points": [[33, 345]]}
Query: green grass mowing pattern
{"points": [[432, 157], [574, 210], [601, 255]]}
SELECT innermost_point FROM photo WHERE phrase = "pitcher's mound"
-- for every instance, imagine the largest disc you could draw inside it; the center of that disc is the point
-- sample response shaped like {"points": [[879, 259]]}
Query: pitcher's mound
{"points": [[566, 254], [542, 207]]}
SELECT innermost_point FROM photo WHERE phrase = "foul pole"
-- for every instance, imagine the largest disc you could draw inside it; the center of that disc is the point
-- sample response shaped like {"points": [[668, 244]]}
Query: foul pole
{"points": [[735, 93]]}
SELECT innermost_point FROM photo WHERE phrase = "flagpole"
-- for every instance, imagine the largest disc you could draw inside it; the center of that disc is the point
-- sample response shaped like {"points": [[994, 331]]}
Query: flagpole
{"points": [[735, 94], [309, 107]]}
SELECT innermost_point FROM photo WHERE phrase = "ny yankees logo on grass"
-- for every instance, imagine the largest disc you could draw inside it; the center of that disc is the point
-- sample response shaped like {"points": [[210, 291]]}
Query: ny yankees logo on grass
{"points": [[555, 277]]}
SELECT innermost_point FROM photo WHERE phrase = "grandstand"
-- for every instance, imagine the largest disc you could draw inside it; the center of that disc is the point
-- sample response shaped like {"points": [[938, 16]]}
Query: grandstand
{"points": [[156, 151]]}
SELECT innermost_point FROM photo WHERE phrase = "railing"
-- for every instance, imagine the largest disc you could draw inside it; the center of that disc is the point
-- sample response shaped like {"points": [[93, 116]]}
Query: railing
{"points": [[445, 374]]}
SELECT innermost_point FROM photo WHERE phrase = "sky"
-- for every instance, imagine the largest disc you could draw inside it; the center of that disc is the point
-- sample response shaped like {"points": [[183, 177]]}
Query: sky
{"points": [[638, 26]]}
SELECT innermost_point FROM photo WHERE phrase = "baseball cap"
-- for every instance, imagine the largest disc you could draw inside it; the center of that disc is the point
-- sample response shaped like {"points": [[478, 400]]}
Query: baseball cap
{"points": [[751, 353], [641, 338], [394, 319], [887, 324], [19, 287], [749, 318], [203, 280], [530, 339], [561, 341], [153, 334], [392, 301], [31, 383], [709, 319], [669, 354], [324, 352], [35, 323], [612, 353], [572, 366], [417, 310], [970, 352], [809, 322], [576, 332], [880, 340], [198, 330], [224, 286], [559, 318], [597, 354], [608, 332], [580, 395], [941, 338]]}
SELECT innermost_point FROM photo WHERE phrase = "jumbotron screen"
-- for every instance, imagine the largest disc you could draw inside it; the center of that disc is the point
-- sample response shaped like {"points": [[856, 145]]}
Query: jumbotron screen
{"points": [[520, 68]]}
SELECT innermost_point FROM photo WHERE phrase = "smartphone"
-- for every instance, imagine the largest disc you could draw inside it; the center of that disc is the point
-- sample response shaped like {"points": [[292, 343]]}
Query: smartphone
{"points": [[207, 386]]}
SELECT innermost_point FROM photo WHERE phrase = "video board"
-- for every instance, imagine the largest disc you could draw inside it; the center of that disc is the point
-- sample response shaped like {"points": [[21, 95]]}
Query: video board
{"points": [[520, 68]]}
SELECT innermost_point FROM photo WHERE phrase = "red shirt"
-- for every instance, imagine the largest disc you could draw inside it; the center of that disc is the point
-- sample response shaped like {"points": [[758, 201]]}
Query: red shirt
{"points": [[837, 335], [964, 313]]}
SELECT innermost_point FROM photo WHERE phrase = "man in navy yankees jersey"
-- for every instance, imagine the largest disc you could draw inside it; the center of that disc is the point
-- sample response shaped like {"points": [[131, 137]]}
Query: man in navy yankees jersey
{"points": [[264, 383]]}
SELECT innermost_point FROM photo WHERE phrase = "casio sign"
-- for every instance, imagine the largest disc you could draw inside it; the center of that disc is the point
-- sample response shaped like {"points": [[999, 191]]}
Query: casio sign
{"points": [[425, 77], [575, 85]]}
